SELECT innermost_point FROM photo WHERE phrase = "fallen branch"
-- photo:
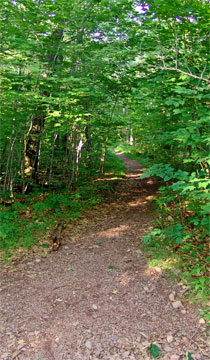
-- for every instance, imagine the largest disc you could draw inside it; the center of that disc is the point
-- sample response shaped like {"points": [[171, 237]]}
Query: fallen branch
{"points": [[64, 285], [56, 241]]}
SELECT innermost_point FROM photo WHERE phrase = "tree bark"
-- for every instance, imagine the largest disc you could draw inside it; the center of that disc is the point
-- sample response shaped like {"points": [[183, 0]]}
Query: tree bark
{"points": [[32, 146]]}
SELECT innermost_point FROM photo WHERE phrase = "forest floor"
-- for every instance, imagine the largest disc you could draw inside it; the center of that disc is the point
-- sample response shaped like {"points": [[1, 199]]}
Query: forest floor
{"points": [[97, 297]]}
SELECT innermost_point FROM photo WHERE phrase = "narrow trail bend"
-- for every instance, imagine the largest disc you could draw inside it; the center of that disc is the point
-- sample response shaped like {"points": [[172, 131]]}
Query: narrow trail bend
{"points": [[97, 298]]}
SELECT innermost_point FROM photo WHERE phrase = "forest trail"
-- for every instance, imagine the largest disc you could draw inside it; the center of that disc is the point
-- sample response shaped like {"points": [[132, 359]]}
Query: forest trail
{"points": [[97, 298]]}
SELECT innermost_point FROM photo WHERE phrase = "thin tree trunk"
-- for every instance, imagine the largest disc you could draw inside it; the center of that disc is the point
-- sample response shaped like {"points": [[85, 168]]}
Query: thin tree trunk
{"points": [[103, 155], [79, 152], [107, 137], [32, 146], [3, 154], [52, 156], [8, 183]]}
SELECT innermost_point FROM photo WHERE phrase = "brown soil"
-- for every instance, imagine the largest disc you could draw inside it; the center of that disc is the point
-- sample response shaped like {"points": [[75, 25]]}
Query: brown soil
{"points": [[97, 298]]}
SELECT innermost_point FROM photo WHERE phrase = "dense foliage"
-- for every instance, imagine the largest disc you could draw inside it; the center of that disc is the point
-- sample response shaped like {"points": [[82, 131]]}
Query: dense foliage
{"points": [[74, 73], [171, 114], [61, 84], [170, 122]]}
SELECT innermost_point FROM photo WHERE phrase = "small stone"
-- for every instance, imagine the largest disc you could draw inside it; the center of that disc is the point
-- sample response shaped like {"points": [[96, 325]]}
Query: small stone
{"points": [[171, 297], [138, 251], [183, 311], [114, 338], [45, 317], [126, 353], [66, 247], [75, 323], [175, 357], [58, 300], [177, 304], [170, 339], [158, 269], [202, 322], [97, 353], [167, 348], [37, 261], [95, 307], [88, 344], [170, 218]]}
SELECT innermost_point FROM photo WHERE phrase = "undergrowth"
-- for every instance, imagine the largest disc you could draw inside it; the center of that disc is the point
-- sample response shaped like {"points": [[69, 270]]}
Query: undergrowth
{"points": [[180, 238], [26, 220], [179, 242], [113, 164]]}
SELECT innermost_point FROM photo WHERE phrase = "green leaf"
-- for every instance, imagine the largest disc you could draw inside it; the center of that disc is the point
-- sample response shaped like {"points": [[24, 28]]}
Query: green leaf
{"points": [[177, 111], [112, 267], [154, 350], [205, 209], [188, 356]]}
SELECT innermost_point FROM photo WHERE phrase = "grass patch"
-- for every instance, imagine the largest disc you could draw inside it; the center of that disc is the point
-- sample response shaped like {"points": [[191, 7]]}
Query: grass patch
{"points": [[184, 267], [113, 164], [182, 227], [28, 219]]}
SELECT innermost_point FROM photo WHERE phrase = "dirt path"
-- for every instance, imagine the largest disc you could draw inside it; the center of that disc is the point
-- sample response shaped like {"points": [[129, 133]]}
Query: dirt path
{"points": [[96, 298]]}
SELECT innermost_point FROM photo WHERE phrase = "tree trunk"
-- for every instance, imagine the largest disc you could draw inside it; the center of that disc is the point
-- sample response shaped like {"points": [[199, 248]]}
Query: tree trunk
{"points": [[103, 155], [32, 146]]}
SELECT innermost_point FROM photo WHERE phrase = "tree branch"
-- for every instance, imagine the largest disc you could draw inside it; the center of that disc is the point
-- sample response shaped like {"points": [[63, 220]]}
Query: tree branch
{"points": [[186, 73]]}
